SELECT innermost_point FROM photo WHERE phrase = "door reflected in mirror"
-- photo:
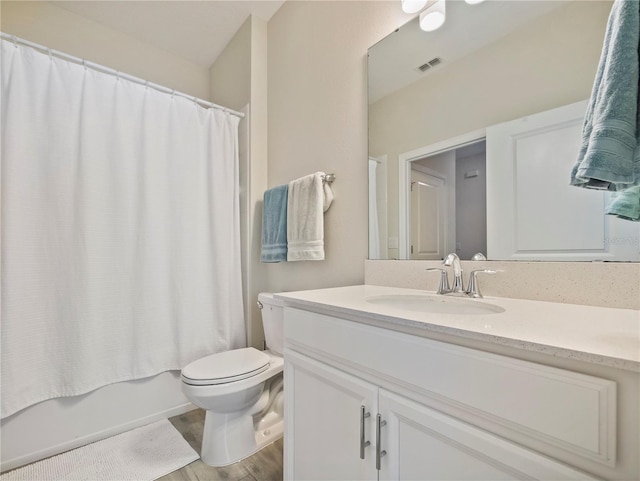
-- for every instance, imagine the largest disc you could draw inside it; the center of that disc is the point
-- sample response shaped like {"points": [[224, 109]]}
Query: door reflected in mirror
{"points": [[448, 201]]}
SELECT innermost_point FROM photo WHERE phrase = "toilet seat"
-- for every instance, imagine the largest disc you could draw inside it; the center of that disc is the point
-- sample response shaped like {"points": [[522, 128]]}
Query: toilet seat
{"points": [[225, 367]]}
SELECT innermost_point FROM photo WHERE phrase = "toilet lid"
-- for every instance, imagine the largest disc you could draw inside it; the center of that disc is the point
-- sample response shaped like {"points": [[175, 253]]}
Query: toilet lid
{"points": [[226, 367]]}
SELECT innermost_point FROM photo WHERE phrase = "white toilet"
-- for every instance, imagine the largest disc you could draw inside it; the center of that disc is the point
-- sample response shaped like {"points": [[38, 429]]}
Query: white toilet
{"points": [[241, 391]]}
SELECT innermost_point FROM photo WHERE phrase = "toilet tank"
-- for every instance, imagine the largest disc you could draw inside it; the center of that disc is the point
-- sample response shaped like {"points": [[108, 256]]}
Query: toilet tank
{"points": [[273, 322]]}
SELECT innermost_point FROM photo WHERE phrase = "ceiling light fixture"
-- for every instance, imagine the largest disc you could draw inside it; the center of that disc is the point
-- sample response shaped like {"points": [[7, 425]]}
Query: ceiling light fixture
{"points": [[473, 2], [413, 6], [433, 17]]}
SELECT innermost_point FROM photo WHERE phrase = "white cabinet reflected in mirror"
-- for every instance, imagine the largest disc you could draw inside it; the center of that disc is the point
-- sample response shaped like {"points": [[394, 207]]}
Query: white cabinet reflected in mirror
{"points": [[450, 145]]}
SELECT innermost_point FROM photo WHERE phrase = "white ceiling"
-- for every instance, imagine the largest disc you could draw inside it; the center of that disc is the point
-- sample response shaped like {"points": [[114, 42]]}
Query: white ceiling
{"points": [[199, 30], [194, 30]]}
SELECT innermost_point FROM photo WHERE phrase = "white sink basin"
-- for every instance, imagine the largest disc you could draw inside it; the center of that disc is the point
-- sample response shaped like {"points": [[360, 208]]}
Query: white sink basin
{"points": [[435, 304]]}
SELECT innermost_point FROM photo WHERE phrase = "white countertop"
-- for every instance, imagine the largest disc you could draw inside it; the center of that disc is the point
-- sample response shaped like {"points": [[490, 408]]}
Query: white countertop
{"points": [[599, 335]]}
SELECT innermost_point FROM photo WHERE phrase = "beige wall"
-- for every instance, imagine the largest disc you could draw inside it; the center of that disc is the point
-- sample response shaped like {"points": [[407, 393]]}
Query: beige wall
{"points": [[257, 272], [549, 63], [239, 81], [318, 122], [54, 27], [230, 75]]}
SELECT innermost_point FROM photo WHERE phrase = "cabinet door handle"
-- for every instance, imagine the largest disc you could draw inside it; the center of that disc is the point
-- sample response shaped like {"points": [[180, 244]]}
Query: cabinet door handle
{"points": [[363, 444], [379, 452]]}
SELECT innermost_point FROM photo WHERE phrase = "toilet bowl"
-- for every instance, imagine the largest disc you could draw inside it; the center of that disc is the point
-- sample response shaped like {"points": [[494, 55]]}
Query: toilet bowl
{"points": [[241, 392]]}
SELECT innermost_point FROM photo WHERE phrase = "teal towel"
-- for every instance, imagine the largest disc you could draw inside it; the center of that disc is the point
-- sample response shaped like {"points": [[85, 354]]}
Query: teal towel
{"points": [[625, 204], [274, 224], [609, 157]]}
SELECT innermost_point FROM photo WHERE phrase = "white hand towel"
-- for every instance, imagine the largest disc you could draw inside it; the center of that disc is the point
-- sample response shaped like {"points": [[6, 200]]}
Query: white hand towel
{"points": [[307, 202]]}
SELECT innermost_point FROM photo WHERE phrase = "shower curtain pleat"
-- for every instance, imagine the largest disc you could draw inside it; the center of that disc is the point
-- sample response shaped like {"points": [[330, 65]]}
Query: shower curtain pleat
{"points": [[120, 230], [374, 227]]}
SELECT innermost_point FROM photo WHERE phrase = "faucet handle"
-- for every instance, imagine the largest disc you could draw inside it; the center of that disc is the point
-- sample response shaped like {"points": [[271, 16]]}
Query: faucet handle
{"points": [[443, 288], [474, 288]]}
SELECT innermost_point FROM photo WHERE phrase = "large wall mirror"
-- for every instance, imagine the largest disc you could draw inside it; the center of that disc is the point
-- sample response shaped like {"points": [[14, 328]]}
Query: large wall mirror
{"points": [[474, 128]]}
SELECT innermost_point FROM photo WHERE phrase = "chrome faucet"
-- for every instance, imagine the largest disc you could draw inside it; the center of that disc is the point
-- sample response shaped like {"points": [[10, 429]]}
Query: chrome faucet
{"points": [[443, 287], [458, 286], [453, 260], [474, 288]]}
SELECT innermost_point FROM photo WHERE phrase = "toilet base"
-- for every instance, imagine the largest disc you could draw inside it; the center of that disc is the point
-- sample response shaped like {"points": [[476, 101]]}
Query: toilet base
{"points": [[227, 441], [269, 435], [229, 438]]}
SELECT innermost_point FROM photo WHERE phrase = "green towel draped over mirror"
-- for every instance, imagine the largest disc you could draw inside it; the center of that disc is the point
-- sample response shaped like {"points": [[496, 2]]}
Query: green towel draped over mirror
{"points": [[609, 157]]}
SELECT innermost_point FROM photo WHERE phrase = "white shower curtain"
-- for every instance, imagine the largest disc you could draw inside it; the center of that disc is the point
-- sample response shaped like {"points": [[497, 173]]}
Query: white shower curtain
{"points": [[120, 230], [374, 228]]}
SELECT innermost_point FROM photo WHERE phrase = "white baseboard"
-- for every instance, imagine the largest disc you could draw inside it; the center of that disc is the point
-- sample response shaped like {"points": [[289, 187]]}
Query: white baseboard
{"points": [[93, 437]]}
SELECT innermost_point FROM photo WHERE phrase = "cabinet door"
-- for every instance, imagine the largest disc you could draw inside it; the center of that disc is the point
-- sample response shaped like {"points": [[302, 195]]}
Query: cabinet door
{"points": [[424, 444], [323, 422]]}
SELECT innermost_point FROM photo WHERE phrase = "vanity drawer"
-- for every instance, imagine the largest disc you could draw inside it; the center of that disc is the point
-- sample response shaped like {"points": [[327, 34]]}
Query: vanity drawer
{"points": [[556, 407]]}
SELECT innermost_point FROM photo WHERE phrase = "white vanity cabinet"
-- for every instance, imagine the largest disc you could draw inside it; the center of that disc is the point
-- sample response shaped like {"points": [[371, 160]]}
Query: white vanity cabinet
{"points": [[325, 419], [445, 412], [423, 444]]}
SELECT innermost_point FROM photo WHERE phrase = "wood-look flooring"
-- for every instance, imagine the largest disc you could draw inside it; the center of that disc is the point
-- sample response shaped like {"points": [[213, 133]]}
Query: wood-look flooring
{"points": [[265, 465]]}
